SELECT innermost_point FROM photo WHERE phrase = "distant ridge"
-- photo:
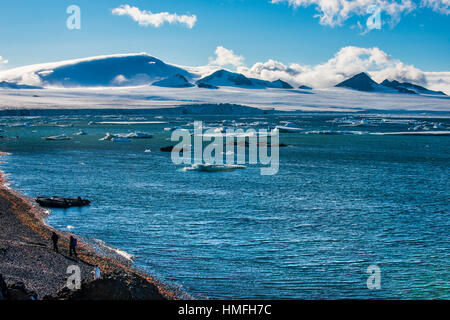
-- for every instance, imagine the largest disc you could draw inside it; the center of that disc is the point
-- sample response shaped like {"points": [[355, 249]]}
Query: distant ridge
{"points": [[281, 84], [407, 87], [226, 78], [142, 69], [175, 81], [12, 85], [363, 82], [231, 79]]}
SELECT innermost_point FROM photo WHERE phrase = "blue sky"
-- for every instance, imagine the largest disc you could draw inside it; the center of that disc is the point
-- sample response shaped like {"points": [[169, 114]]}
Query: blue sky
{"points": [[35, 32]]}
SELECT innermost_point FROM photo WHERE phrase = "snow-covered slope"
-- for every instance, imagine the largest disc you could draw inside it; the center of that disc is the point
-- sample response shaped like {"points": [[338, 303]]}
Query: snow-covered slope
{"points": [[13, 85], [175, 81], [407, 87], [146, 96], [224, 78], [112, 70]]}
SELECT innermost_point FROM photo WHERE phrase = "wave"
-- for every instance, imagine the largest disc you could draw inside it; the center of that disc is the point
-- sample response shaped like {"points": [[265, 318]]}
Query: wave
{"points": [[331, 132], [121, 253], [130, 122], [414, 133]]}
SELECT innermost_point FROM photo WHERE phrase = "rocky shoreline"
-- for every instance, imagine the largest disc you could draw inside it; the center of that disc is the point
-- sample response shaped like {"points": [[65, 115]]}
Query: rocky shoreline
{"points": [[31, 270]]}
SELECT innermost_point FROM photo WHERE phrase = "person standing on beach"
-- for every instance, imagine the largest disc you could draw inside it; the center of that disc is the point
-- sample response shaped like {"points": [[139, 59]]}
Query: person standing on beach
{"points": [[72, 245], [55, 239], [97, 273]]}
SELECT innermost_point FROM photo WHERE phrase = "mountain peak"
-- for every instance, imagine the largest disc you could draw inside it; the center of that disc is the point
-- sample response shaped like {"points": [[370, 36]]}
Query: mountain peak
{"points": [[108, 70], [406, 87], [361, 81], [281, 84], [226, 78], [174, 81]]}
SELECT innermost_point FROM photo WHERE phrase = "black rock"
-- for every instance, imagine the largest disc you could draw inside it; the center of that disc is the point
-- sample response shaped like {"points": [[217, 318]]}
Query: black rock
{"points": [[207, 86], [172, 148], [18, 292], [116, 286], [3, 288], [167, 149]]}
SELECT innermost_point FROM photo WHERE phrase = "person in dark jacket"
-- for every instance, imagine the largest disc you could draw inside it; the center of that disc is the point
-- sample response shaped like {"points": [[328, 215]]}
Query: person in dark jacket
{"points": [[55, 239], [72, 245]]}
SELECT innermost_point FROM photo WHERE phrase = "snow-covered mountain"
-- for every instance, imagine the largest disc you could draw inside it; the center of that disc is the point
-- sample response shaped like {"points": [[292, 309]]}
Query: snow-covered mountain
{"points": [[407, 87], [125, 70], [142, 81], [112, 70], [175, 81], [224, 78], [363, 82], [280, 84]]}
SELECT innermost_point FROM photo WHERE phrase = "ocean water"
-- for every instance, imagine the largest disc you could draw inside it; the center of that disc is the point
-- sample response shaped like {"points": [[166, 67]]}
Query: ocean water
{"points": [[343, 199]]}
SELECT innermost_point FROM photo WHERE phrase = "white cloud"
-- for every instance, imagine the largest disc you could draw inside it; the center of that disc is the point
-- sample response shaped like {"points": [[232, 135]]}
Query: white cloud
{"points": [[335, 12], [226, 57], [146, 18], [3, 61], [399, 71], [441, 6], [347, 62], [439, 81]]}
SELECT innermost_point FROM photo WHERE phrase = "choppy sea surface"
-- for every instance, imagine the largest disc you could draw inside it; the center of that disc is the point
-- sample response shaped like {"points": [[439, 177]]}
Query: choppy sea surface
{"points": [[347, 196]]}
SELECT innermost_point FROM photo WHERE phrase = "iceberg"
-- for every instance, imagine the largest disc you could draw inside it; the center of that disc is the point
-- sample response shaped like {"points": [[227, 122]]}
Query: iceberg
{"points": [[122, 136], [137, 135], [55, 138], [108, 137], [80, 133], [288, 128], [214, 167]]}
